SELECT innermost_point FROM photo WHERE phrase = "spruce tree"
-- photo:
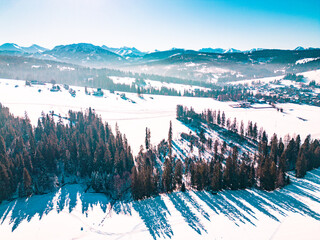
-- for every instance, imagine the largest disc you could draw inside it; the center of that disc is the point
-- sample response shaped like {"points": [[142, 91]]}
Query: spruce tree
{"points": [[170, 141]]}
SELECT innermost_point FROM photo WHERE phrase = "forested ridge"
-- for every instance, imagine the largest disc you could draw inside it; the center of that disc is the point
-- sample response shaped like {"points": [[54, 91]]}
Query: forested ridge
{"points": [[266, 168], [83, 149]]}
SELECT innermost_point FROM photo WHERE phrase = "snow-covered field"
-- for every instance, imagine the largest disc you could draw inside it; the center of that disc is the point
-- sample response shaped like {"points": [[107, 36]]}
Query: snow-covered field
{"points": [[70, 213], [157, 84], [152, 111], [309, 76]]}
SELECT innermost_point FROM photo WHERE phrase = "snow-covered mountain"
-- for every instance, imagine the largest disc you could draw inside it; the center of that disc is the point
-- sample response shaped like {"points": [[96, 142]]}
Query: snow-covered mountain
{"points": [[16, 48], [10, 47], [34, 49], [125, 51], [212, 50], [83, 53], [232, 50]]}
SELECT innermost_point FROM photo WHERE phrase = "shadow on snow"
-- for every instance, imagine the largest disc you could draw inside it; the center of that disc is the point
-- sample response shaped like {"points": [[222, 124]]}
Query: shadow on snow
{"points": [[240, 207]]}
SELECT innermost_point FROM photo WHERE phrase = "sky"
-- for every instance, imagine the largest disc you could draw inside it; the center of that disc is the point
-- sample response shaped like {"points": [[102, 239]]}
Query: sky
{"points": [[162, 24]]}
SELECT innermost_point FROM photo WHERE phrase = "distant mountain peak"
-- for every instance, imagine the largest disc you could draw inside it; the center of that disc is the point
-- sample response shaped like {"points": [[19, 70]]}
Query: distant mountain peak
{"points": [[232, 50], [212, 50], [10, 47], [125, 51], [34, 48]]}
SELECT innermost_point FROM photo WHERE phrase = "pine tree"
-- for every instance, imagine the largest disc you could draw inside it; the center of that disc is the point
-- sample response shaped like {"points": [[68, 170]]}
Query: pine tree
{"points": [[216, 181], [178, 172], [5, 190], [223, 119], [147, 140], [170, 141], [135, 184], [301, 167], [27, 183], [274, 148], [243, 176], [218, 118], [167, 176], [242, 129]]}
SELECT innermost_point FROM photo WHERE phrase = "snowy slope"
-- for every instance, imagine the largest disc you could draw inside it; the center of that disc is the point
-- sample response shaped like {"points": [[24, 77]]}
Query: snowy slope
{"points": [[152, 111], [309, 76], [157, 84], [290, 213]]}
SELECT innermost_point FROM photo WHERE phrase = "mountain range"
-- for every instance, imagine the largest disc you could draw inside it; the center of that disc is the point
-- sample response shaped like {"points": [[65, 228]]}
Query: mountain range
{"points": [[207, 64]]}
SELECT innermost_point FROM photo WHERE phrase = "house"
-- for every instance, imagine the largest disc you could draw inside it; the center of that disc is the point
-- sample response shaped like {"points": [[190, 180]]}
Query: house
{"points": [[98, 93], [55, 88]]}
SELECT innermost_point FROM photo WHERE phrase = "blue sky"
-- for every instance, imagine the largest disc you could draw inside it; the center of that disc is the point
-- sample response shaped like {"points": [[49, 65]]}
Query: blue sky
{"points": [[162, 24]]}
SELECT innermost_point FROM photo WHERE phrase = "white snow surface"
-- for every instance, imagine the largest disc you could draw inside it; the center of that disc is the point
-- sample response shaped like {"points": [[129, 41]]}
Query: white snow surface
{"points": [[157, 84], [309, 76], [312, 75], [152, 111], [305, 60], [71, 213]]}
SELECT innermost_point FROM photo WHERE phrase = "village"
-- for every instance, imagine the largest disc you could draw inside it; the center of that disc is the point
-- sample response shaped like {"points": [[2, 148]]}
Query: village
{"points": [[278, 92]]}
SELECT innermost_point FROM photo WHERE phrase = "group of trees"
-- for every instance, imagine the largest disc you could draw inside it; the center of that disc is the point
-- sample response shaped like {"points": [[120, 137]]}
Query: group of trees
{"points": [[219, 118], [39, 159], [266, 168]]}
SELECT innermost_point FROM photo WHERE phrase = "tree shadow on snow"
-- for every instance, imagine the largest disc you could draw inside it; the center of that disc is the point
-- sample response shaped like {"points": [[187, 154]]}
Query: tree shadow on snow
{"points": [[181, 205], [40, 205], [153, 212], [240, 207]]}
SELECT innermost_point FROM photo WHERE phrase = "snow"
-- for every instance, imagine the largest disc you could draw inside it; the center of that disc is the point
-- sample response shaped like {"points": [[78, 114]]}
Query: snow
{"points": [[157, 85], [312, 75], [309, 76], [64, 68], [152, 111], [123, 80], [305, 60], [71, 213]]}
